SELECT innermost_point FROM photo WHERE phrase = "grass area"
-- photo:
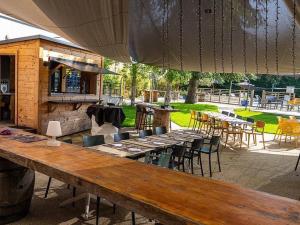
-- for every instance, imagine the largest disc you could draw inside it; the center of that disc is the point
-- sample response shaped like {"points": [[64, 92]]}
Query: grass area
{"points": [[130, 116], [269, 118], [181, 118]]}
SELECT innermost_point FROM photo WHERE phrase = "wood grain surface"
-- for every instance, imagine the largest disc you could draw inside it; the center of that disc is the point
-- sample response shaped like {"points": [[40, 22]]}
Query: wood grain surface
{"points": [[157, 193]]}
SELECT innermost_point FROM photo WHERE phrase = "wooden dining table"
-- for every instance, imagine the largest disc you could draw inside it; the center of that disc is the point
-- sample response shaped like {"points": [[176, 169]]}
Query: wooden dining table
{"points": [[229, 119], [137, 147], [168, 196]]}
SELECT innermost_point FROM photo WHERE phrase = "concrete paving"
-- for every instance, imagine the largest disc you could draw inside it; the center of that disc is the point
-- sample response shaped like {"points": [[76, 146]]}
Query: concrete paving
{"points": [[270, 170]]}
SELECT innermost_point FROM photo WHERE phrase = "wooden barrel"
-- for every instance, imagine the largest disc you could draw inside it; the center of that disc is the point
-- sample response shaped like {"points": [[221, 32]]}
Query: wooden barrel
{"points": [[16, 190]]}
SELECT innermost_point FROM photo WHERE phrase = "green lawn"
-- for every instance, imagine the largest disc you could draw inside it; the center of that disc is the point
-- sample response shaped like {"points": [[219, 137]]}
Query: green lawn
{"points": [[181, 118], [269, 118]]}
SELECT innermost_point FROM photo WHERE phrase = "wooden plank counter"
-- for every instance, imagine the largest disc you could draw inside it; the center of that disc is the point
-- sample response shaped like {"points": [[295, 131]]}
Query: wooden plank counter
{"points": [[169, 196]]}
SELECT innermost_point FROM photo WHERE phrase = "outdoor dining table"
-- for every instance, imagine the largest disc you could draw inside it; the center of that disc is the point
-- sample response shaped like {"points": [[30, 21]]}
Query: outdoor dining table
{"points": [[138, 147], [229, 119]]}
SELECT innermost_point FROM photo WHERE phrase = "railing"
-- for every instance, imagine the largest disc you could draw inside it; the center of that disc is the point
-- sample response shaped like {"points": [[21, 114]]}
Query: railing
{"points": [[224, 95]]}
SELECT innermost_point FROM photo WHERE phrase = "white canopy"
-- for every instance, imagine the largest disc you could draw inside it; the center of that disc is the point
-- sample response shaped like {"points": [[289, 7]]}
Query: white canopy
{"points": [[223, 36]]}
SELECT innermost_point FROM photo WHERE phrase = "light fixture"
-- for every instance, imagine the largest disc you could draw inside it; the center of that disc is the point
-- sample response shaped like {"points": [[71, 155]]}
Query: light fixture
{"points": [[53, 130]]}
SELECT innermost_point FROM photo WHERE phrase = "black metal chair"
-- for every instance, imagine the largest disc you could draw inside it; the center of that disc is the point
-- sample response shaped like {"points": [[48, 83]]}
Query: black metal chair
{"points": [[250, 120], [231, 114], [89, 141], [225, 113], [145, 133], [160, 130], [189, 154], [297, 163], [121, 136], [239, 117], [213, 147]]}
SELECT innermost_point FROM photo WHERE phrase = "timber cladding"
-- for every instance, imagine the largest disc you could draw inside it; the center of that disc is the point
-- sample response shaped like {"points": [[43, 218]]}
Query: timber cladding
{"points": [[32, 85]]}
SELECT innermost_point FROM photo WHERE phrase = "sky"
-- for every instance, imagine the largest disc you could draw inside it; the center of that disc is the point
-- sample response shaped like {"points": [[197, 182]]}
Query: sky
{"points": [[16, 30]]}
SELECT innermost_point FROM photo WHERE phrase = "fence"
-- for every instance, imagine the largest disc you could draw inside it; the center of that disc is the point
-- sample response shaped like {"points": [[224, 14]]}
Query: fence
{"points": [[235, 97]]}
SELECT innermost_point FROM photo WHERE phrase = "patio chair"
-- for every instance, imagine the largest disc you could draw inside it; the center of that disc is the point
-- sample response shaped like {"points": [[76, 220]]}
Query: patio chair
{"points": [[160, 130], [278, 130], [192, 119], [203, 122], [225, 113], [197, 120], [145, 133], [145, 119], [213, 147], [258, 100], [177, 159], [228, 130], [257, 129], [121, 136], [231, 114], [89, 141], [292, 117], [239, 117], [289, 128], [214, 125], [297, 162], [191, 151]]}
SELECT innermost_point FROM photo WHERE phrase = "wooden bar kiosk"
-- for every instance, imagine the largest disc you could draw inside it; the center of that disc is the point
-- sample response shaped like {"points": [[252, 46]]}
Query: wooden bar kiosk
{"points": [[46, 79]]}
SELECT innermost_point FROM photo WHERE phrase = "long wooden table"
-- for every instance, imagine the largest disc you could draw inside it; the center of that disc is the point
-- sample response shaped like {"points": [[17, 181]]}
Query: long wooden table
{"points": [[169, 196]]}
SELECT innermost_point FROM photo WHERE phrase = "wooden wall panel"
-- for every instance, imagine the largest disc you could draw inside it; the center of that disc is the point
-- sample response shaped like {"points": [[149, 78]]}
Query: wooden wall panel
{"points": [[27, 53], [71, 120]]}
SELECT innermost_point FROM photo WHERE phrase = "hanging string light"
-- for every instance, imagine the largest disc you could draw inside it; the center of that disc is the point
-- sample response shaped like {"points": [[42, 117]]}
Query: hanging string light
{"points": [[294, 37], [276, 37], [266, 37], [244, 38], [231, 35], [180, 34], [200, 33], [222, 36], [214, 37], [256, 33]]}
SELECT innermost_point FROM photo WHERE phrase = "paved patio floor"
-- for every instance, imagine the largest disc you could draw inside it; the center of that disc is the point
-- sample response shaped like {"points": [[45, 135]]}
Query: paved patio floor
{"points": [[270, 170]]}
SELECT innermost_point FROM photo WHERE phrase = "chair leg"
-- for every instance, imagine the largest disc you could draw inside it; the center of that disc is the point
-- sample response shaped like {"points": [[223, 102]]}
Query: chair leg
{"points": [[226, 139], [132, 218], [219, 161], [297, 163], [98, 210], [263, 139], [114, 208], [48, 187], [74, 194], [200, 161], [210, 173]]}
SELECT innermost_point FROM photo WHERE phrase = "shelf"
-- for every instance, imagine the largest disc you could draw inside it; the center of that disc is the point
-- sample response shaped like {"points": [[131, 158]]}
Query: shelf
{"points": [[52, 104]]}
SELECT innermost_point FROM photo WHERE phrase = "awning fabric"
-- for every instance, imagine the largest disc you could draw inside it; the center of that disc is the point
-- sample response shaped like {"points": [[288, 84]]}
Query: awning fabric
{"points": [[82, 66], [251, 36]]}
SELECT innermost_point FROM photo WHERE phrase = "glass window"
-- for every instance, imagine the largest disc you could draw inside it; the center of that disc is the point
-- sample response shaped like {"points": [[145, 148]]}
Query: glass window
{"points": [[56, 81], [72, 81]]}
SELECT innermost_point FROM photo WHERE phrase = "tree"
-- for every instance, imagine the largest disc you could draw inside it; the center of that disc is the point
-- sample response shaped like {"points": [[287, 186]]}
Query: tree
{"points": [[192, 88], [171, 76], [133, 73]]}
